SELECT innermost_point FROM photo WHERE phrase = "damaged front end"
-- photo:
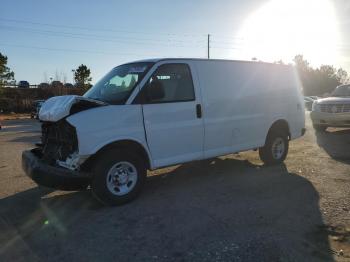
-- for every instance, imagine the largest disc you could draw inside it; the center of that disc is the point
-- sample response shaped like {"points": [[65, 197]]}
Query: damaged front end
{"points": [[52, 176], [56, 162], [59, 144]]}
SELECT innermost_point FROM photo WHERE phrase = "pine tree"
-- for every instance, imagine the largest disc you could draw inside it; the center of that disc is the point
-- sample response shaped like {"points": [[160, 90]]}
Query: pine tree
{"points": [[6, 74]]}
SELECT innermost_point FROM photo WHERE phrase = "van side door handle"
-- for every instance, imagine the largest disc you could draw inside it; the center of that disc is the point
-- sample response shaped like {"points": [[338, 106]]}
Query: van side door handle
{"points": [[199, 110]]}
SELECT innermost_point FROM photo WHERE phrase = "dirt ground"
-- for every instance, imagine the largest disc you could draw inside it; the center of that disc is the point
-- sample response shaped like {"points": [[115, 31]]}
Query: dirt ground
{"points": [[226, 209], [9, 116]]}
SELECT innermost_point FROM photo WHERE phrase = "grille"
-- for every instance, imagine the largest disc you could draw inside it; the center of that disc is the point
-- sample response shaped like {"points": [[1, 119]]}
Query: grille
{"points": [[335, 108], [58, 140]]}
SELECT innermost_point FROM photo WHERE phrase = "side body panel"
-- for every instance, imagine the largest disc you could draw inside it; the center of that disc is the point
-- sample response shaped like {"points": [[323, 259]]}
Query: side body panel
{"points": [[241, 100]]}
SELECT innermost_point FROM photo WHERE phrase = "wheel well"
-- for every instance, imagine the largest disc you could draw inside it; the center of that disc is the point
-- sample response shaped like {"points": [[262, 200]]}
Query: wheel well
{"points": [[129, 145], [280, 125]]}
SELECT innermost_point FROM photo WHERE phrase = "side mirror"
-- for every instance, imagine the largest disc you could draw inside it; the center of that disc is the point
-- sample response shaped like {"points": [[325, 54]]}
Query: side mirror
{"points": [[155, 91]]}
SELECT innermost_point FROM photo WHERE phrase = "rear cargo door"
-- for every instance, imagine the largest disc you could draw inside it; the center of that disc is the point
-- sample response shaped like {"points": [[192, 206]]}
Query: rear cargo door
{"points": [[173, 115]]}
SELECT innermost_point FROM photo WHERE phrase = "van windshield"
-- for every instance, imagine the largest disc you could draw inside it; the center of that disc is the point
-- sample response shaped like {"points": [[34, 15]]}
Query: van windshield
{"points": [[116, 87]]}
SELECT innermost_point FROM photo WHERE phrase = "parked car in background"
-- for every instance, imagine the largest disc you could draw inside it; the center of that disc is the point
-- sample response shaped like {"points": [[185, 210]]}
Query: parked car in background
{"points": [[36, 108], [23, 84], [43, 85], [68, 85], [56, 84], [161, 112], [333, 111]]}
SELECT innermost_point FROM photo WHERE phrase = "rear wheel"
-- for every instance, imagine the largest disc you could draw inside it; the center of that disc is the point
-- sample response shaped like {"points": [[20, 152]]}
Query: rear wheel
{"points": [[276, 148], [118, 177], [320, 128]]}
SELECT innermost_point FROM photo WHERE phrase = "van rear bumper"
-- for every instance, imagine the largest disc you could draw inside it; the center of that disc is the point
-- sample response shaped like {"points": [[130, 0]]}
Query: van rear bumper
{"points": [[51, 176]]}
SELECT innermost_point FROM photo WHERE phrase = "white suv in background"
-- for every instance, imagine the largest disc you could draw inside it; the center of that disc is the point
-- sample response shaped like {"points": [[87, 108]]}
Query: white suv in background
{"points": [[333, 111]]}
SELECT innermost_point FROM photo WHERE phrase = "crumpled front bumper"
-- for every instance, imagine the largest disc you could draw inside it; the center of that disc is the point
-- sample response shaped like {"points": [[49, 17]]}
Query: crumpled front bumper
{"points": [[330, 119], [51, 176]]}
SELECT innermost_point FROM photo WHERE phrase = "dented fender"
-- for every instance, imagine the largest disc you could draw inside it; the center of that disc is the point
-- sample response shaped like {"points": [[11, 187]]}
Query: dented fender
{"points": [[108, 124]]}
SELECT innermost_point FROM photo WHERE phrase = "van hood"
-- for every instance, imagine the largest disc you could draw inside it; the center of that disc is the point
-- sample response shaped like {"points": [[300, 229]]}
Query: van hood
{"points": [[59, 107], [334, 100]]}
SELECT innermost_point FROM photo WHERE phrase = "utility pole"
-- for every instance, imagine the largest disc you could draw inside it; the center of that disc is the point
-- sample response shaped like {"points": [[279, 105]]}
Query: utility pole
{"points": [[208, 46], [73, 71]]}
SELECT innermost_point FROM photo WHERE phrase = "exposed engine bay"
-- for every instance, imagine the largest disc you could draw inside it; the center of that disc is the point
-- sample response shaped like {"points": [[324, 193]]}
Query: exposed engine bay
{"points": [[59, 141]]}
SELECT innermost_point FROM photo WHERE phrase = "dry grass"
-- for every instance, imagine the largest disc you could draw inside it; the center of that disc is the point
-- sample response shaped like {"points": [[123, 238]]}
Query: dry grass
{"points": [[12, 116]]}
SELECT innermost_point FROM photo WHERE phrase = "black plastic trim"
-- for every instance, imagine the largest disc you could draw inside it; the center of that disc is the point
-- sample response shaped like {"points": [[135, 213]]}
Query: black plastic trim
{"points": [[51, 176]]}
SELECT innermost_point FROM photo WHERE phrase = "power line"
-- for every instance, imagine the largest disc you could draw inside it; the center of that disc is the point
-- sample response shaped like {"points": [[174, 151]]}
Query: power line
{"points": [[73, 50], [127, 40], [226, 37], [119, 41], [230, 42], [241, 46], [235, 48], [96, 29]]}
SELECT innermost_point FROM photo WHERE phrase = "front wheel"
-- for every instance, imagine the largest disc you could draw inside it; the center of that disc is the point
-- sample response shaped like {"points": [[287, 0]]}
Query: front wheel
{"points": [[118, 177], [276, 148]]}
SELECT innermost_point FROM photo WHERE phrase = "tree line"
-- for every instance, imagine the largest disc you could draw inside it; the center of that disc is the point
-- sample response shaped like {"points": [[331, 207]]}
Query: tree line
{"points": [[315, 81], [319, 81], [82, 75]]}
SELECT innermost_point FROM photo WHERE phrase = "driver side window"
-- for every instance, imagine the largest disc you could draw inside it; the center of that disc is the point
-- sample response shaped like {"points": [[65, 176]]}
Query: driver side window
{"points": [[170, 83]]}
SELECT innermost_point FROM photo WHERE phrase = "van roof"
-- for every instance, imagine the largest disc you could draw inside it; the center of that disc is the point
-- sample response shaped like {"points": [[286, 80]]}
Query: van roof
{"points": [[155, 60]]}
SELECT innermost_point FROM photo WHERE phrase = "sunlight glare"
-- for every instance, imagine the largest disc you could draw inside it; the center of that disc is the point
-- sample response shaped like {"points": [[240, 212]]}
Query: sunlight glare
{"points": [[280, 29]]}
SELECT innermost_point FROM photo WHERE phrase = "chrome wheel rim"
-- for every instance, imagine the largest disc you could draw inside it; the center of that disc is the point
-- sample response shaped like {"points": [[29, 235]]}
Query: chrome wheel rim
{"points": [[121, 178], [278, 148]]}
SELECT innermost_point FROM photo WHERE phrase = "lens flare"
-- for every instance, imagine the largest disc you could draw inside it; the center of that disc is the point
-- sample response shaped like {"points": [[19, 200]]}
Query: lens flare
{"points": [[280, 29]]}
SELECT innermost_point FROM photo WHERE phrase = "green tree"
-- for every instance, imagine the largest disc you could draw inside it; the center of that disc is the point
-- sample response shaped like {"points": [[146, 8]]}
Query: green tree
{"points": [[301, 64], [326, 78], [6, 74], [342, 76], [320, 80], [82, 77]]}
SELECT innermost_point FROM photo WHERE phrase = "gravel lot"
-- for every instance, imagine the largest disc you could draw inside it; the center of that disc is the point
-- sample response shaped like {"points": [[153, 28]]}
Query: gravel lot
{"points": [[226, 209]]}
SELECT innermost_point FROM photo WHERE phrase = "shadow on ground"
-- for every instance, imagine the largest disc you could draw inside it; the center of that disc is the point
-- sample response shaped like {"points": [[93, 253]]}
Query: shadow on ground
{"points": [[26, 139], [336, 142], [222, 210]]}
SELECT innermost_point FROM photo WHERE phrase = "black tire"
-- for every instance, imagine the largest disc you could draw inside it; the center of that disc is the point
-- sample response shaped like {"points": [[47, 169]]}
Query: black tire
{"points": [[266, 152], [320, 128], [102, 166]]}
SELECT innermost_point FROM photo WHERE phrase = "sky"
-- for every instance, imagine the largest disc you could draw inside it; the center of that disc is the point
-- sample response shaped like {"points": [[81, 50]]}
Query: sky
{"points": [[46, 39]]}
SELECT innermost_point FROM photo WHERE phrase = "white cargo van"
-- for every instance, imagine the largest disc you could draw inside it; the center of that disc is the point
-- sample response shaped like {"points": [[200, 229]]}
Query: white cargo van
{"points": [[156, 113]]}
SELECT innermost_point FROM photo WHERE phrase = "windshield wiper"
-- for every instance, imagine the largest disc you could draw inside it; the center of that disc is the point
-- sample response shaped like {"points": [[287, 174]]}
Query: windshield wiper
{"points": [[96, 99]]}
